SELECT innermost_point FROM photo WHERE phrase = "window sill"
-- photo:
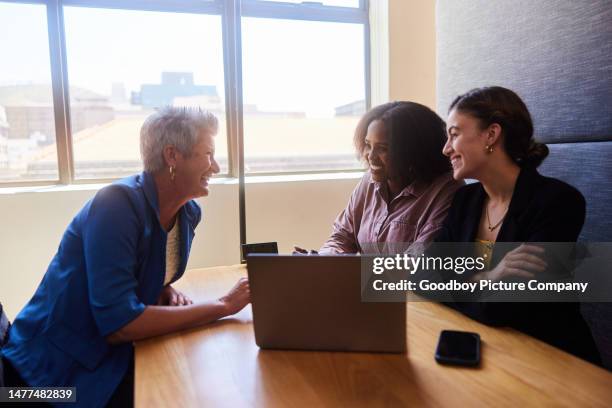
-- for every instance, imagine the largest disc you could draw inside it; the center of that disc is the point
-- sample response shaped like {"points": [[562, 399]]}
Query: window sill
{"points": [[285, 178]]}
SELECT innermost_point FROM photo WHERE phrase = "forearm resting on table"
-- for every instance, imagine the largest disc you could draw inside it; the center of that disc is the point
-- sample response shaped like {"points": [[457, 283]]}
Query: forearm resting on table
{"points": [[160, 320], [339, 243]]}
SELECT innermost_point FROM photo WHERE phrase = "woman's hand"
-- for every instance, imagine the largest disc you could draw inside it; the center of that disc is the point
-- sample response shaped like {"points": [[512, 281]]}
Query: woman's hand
{"points": [[158, 320], [237, 298], [523, 262], [301, 251], [172, 297]]}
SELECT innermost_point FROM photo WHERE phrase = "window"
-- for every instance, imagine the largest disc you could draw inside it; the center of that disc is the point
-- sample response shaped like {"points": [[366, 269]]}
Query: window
{"points": [[304, 92], [292, 85], [148, 60], [339, 3], [27, 125]]}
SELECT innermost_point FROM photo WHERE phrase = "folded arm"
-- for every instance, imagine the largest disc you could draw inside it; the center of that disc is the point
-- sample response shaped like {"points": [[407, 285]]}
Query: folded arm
{"points": [[160, 320]]}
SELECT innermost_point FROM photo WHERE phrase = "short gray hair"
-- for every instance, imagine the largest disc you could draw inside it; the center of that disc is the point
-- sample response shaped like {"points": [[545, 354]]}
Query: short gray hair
{"points": [[175, 126]]}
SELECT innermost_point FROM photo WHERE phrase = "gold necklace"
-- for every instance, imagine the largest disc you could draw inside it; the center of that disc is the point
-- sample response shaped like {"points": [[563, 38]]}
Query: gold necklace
{"points": [[492, 227]]}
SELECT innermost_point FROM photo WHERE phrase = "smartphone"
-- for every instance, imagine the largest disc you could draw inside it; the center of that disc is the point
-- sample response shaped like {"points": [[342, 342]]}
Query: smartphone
{"points": [[458, 348], [258, 248]]}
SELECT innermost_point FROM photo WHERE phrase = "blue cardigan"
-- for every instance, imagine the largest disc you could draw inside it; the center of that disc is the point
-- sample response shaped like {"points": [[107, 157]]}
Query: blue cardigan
{"points": [[109, 265]]}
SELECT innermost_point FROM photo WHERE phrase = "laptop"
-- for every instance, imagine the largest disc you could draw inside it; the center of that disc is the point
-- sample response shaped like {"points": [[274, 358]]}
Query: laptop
{"points": [[304, 302]]}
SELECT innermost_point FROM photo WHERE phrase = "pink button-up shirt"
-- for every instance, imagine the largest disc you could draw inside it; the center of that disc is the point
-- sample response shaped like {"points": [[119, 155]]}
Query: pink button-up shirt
{"points": [[371, 223]]}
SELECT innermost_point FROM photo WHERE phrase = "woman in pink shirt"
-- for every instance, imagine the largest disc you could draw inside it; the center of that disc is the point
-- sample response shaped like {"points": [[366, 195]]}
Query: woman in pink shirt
{"points": [[407, 189]]}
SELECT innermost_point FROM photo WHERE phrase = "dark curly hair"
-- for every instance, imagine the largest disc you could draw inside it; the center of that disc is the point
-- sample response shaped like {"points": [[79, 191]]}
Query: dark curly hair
{"points": [[495, 104], [416, 136]]}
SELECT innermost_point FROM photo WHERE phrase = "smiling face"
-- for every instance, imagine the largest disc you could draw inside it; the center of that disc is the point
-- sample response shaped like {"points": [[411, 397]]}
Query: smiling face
{"points": [[376, 151], [466, 145], [194, 170]]}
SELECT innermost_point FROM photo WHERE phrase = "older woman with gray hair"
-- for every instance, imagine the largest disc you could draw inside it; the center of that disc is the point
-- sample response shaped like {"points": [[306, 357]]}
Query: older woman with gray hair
{"points": [[110, 281]]}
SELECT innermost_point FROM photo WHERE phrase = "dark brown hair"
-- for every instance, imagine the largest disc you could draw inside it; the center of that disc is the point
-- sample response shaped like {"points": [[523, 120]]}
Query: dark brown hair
{"points": [[416, 136], [499, 105]]}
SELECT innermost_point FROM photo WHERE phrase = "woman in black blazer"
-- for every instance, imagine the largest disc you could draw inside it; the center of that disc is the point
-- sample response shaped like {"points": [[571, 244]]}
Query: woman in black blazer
{"points": [[490, 139]]}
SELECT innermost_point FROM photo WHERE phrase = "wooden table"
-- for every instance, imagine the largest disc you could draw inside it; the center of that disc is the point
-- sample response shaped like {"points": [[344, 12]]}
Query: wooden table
{"points": [[219, 365]]}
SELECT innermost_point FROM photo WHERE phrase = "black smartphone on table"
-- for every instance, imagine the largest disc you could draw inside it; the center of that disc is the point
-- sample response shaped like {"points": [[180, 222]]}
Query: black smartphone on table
{"points": [[258, 248], [458, 348]]}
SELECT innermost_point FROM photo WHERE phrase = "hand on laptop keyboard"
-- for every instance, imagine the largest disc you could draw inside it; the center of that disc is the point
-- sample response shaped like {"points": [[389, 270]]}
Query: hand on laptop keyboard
{"points": [[301, 251]]}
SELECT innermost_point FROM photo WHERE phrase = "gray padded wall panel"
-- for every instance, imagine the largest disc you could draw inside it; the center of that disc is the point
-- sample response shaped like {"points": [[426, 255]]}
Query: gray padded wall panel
{"points": [[586, 166], [557, 55]]}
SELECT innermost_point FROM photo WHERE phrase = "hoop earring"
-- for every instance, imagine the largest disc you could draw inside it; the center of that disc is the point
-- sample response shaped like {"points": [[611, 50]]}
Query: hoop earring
{"points": [[172, 172], [489, 149]]}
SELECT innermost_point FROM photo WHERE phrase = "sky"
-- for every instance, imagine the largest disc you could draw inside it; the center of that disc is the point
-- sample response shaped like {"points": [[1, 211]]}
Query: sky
{"points": [[302, 66]]}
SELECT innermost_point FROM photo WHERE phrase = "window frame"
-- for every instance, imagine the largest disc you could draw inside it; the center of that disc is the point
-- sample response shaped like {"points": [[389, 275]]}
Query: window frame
{"points": [[231, 13]]}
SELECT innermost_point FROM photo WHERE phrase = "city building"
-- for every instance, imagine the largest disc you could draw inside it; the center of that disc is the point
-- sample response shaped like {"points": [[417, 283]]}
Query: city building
{"points": [[173, 84], [355, 108]]}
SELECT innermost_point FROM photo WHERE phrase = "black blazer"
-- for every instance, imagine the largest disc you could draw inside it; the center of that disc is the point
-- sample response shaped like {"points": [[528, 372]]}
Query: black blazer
{"points": [[542, 209]]}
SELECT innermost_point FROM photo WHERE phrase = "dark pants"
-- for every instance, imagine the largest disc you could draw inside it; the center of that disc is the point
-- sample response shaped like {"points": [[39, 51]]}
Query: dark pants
{"points": [[13, 379], [123, 397], [124, 394]]}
